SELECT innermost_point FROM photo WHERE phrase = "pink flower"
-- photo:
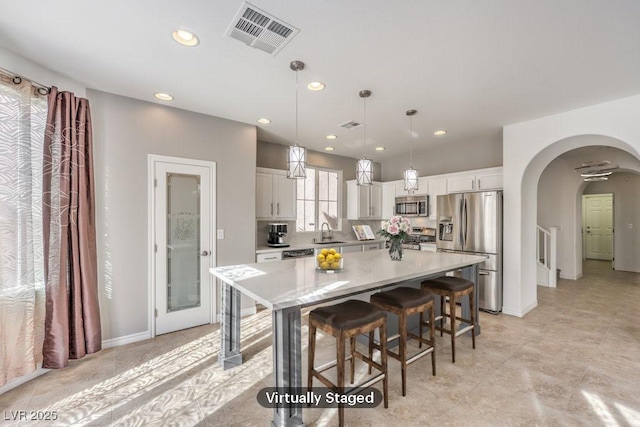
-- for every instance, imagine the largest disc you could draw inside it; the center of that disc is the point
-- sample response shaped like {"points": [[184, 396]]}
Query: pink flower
{"points": [[395, 219], [393, 228]]}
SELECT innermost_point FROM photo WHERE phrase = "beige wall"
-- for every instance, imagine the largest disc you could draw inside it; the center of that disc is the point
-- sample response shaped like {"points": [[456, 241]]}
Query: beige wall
{"points": [[270, 155], [446, 157], [557, 189], [125, 132]]}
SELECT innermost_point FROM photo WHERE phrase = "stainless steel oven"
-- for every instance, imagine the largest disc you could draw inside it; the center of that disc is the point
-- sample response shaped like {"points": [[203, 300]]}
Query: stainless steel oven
{"points": [[412, 206]]}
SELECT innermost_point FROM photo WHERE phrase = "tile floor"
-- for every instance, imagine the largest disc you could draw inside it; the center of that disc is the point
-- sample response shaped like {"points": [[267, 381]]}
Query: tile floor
{"points": [[574, 360]]}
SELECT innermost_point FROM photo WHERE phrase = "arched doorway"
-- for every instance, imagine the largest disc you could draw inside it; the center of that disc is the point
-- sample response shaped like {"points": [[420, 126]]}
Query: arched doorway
{"points": [[561, 194], [528, 147]]}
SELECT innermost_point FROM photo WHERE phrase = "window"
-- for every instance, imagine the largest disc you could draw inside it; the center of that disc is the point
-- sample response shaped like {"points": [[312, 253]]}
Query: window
{"points": [[318, 199]]}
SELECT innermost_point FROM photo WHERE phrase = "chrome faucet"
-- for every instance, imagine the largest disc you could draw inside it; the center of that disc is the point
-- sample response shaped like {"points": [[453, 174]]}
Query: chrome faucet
{"points": [[322, 231]]}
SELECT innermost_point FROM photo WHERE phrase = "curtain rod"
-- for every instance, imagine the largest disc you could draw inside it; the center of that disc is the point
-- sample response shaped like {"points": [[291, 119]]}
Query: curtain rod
{"points": [[33, 82]]}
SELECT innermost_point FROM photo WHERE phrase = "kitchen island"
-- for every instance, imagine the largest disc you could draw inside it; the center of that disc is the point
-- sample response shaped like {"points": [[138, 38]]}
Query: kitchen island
{"points": [[288, 286]]}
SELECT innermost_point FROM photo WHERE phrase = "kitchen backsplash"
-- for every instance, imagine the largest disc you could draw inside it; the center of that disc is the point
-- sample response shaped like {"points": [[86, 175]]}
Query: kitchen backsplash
{"points": [[346, 232]]}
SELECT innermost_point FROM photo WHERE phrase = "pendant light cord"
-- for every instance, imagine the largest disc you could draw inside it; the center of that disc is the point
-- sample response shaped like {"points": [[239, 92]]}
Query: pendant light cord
{"points": [[364, 141], [296, 107], [411, 141]]}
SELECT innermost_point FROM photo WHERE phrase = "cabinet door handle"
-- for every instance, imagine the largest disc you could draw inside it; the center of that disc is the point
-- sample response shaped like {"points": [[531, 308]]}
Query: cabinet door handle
{"points": [[271, 208], [479, 186], [473, 184], [278, 208]]}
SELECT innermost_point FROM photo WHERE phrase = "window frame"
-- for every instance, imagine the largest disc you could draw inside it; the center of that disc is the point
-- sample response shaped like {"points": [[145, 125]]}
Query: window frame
{"points": [[316, 186]]}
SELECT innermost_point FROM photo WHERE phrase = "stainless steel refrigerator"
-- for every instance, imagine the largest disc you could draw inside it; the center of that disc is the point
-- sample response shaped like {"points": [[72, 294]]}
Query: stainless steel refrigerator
{"points": [[472, 223]]}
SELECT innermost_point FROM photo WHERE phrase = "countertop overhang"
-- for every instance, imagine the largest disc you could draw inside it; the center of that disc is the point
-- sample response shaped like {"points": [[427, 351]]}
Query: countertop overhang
{"points": [[263, 249], [295, 282]]}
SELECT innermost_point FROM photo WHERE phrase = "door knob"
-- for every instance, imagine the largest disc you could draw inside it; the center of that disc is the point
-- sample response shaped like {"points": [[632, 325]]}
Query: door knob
{"points": [[204, 253]]}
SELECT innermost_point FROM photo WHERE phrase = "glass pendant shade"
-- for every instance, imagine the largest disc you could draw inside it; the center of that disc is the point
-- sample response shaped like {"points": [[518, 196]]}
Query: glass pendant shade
{"points": [[296, 162], [411, 180], [364, 172]]}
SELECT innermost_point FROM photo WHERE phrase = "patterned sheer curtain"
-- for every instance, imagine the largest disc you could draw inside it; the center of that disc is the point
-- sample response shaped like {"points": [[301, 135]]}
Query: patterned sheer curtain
{"points": [[23, 113]]}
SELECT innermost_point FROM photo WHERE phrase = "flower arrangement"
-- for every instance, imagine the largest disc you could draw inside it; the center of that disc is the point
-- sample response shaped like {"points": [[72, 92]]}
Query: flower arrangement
{"points": [[395, 229]]}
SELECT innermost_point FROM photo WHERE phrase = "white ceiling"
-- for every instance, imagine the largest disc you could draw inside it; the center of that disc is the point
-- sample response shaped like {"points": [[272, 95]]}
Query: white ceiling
{"points": [[469, 67]]}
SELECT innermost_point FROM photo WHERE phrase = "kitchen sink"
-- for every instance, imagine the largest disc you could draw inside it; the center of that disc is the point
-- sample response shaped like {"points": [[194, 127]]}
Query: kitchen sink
{"points": [[332, 242]]}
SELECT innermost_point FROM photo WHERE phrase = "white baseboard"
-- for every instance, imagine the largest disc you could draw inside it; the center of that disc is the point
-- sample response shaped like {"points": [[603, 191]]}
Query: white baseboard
{"points": [[245, 312], [570, 276], [23, 379], [519, 313], [127, 339]]}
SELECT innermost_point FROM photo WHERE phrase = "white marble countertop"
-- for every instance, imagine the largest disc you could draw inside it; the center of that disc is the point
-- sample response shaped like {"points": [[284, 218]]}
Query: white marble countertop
{"points": [[295, 282], [264, 249]]}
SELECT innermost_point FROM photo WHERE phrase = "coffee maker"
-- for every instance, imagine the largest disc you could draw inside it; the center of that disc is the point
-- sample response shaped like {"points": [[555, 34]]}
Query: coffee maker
{"points": [[275, 238]]}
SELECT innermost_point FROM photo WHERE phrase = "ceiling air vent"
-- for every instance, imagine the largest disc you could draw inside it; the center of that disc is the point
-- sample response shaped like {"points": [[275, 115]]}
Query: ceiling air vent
{"points": [[256, 28], [349, 125]]}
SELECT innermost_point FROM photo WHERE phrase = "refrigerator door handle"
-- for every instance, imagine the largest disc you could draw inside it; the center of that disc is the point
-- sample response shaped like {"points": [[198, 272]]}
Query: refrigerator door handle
{"points": [[461, 216], [466, 224]]}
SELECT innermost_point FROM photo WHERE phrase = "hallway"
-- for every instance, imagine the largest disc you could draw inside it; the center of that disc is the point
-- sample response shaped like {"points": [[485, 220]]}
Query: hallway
{"points": [[574, 360]]}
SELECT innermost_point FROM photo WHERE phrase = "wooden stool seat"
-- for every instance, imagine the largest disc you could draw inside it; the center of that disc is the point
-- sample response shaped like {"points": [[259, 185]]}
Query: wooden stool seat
{"points": [[347, 315], [348, 320], [453, 288], [450, 284], [404, 302]]}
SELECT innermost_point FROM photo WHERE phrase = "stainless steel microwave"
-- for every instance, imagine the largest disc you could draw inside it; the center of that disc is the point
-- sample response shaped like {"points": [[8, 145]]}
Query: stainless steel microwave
{"points": [[412, 206]]}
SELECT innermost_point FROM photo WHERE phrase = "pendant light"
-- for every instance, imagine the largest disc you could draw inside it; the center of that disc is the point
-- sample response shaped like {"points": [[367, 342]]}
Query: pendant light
{"points": [[296, 155], [364, 170], [411, 174]]}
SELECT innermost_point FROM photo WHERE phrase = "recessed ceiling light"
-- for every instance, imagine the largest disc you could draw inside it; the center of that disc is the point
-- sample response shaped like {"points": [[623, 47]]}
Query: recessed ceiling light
{"points": [[331, 137], [315, 86], [163, 96], [329, 148], [185, 38], [379, 148], [264, 120], [440, 132]]}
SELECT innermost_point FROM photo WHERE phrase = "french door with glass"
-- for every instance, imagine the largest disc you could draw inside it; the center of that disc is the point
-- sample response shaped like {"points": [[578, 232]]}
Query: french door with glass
{"points": [[183, 248]]}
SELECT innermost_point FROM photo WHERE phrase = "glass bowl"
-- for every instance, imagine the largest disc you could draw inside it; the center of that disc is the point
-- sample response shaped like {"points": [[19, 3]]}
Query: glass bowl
{"points": [[328, 260]]}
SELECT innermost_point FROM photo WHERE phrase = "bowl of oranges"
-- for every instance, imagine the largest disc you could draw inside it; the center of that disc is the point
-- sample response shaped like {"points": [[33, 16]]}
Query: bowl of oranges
{"points": [[328, 260]]}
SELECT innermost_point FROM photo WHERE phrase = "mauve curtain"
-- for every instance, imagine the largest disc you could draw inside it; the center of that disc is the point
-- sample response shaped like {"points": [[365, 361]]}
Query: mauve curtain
{"points": [[72, 320]]}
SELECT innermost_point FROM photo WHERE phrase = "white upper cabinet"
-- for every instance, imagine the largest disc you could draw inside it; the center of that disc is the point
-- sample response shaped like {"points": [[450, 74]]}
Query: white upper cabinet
{"points": [[437, 187], [489, 180], [481, 180], [364, 201], [423, 187], [275, 195], [461, 182], [388, 199]]}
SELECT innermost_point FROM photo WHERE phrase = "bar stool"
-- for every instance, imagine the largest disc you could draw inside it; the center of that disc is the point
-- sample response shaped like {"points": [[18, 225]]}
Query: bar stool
{"points": [[453, 288], [348, 320], [404, 302]]}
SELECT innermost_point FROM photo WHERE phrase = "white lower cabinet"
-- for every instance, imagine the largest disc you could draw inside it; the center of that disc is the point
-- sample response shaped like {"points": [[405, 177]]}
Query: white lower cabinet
{"points": [[351, 248], [269, 257], [372, 246]]}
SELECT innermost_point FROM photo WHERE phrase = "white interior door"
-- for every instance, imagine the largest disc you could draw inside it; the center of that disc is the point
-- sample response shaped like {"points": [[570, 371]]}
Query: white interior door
{"points": [[184, 248], [598, 226]]}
